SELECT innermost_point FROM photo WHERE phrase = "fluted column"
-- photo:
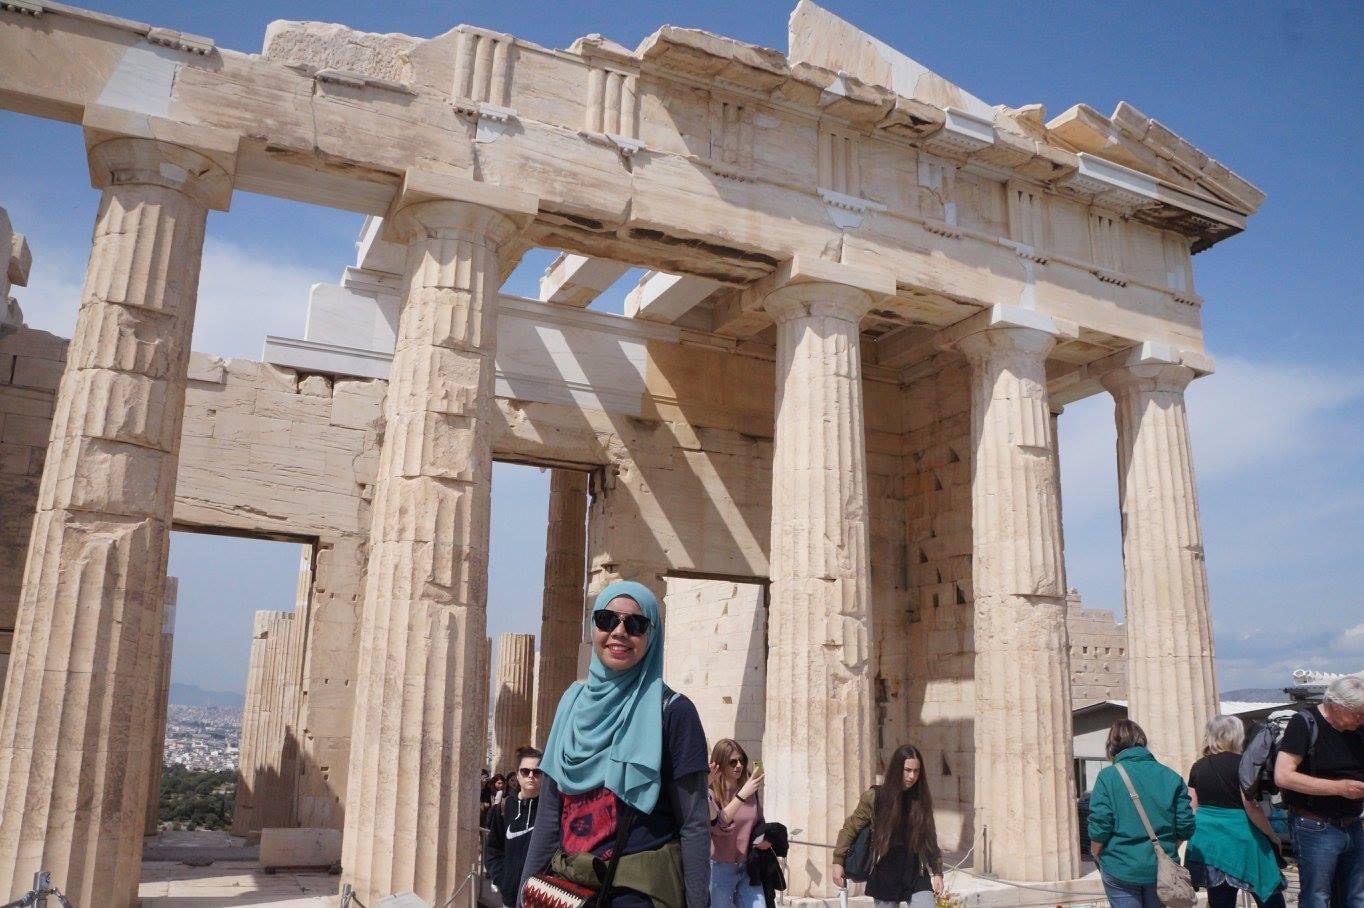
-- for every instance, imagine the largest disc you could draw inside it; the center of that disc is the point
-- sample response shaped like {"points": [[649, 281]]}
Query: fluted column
{"points": [[412, 800], [515, 696], [1169, 633], [157, 754], [1024, 774], [267, 767], [561, 619], [75, 727], [818, 744]]}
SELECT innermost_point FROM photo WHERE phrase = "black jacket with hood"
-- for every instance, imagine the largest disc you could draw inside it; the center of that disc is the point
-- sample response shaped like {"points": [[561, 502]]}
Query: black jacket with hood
{"points": [[504, 854]]}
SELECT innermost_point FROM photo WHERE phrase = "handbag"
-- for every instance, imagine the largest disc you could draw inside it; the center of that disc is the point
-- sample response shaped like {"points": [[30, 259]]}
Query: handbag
{"points": [[1174, 886], [857, 865], [550, 890]]}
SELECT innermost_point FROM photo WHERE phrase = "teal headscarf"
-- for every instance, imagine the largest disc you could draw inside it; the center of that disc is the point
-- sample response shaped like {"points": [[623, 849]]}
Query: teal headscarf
{"points": [[608, 731]]}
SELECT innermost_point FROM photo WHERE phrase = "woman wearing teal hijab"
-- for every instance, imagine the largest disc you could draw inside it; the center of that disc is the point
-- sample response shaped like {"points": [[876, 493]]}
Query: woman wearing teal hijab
{"points": [[625, 748]]}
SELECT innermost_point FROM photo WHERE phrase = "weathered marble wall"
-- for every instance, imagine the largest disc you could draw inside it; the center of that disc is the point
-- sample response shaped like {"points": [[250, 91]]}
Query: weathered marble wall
{"points": [[715, 649]]}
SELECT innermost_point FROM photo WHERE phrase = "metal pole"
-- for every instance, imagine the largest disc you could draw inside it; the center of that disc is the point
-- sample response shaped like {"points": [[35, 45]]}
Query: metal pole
{"points": [[42, 882]]}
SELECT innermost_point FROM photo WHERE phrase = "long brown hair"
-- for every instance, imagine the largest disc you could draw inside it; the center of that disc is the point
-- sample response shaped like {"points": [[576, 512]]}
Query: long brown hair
{"points": [[724, 750], [908, 810]]}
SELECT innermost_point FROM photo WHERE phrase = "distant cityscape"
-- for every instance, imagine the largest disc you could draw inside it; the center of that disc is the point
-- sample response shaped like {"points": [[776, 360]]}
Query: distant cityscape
{"points": [[203, 728]]}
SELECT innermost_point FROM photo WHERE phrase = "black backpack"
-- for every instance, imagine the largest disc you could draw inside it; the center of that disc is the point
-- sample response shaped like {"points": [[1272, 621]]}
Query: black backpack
{"points": [[1256, 774]]}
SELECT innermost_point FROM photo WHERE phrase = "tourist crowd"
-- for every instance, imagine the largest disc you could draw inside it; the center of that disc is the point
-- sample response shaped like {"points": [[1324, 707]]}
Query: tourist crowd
{"points": [[627, 807]]}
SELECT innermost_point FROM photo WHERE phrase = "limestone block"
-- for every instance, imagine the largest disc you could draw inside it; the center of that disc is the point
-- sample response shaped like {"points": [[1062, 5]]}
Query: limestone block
{"points": [[32, 372], [326, 46], [306, 847]]}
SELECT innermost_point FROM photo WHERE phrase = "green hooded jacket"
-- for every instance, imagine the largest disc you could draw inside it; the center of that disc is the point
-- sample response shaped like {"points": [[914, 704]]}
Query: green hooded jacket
{"points": [[1113, 821]]}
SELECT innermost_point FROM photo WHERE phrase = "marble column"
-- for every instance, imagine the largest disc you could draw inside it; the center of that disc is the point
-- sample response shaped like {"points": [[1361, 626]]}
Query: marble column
{"points": [[267, 772], [819, 741], [561, 619], [515, 698], [412, 800], [1024, 776], [1171, 688], [75, 726], [157, 754]]}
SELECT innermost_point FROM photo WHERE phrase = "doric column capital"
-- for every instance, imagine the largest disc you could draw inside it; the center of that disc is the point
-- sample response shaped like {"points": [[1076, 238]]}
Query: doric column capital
{"points": [[151, 162], [432, 205], [1005, 340], [805, 286], [1165, 378], [1005, 328], [817, 298]]}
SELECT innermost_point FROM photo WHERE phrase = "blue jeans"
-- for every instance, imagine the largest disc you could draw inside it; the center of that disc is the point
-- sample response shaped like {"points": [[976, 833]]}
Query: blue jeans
{"points": [[1330, 863], [729, 885], [1128, 895]]}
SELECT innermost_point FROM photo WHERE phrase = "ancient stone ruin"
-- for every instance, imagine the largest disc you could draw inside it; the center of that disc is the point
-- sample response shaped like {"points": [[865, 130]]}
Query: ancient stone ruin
{"points": [[870, 296]]}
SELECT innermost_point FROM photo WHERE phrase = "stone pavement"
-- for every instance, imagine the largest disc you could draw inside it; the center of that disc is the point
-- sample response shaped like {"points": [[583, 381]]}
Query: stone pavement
{"points": [[167, 884]]}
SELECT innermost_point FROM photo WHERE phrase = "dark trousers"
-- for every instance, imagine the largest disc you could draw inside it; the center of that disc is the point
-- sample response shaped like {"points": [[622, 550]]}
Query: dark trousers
{"points": [[1225, 896]]}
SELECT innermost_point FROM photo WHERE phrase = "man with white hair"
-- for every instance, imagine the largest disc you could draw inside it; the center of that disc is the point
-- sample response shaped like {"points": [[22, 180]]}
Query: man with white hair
{"points": [[1322, 780]]}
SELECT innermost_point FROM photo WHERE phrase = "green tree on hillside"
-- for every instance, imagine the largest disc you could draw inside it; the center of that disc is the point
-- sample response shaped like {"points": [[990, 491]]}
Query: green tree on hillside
{"points": [[197, 799]]}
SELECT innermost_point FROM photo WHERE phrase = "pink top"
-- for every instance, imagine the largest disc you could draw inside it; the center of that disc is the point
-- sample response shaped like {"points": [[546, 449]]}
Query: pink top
{"points": [[729, 841]]}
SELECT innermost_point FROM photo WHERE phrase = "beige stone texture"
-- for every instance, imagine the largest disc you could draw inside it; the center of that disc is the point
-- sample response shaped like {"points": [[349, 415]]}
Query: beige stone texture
{"points": [[157, 752], [1098, 653], [819, 731], [1169, 629], [515, 698], [561, 617], [267, 772], [78, 706], [412, 807], [850, 216], [934, 689], [715, 649], [303, 847], [1025, 791]]}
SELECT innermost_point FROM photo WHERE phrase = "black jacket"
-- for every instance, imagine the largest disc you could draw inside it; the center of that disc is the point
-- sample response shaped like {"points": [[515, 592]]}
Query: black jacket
{"points": [[504, 853], [763, 867]]}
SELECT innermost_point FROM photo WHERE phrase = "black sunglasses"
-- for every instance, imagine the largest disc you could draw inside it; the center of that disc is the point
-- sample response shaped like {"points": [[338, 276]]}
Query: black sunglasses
{"points": [[606, 621], [528, 773]]}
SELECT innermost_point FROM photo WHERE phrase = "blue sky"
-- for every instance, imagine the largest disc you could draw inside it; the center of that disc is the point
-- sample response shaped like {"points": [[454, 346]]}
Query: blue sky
{"points": [[1273, 90]]}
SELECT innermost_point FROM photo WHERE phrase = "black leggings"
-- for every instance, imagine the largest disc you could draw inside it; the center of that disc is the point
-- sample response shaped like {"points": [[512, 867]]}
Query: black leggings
{"points": [[1225, 896]]}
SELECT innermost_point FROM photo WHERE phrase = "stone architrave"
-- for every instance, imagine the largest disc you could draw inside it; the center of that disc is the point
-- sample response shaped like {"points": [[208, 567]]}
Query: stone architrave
{"points": [[75, 727], [515, 698], [561, 621], [412, 800], [819, 738], [1169, 632], [157, 754], [1025, 817]]}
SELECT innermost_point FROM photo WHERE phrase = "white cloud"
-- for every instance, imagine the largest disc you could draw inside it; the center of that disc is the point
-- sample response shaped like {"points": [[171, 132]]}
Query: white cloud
{"points": [[244, 294], [1277, 453]]}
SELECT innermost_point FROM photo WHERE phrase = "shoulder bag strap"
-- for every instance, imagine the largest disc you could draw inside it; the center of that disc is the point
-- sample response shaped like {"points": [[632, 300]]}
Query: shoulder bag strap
{"points": [[1136, 802], [623, 825]]}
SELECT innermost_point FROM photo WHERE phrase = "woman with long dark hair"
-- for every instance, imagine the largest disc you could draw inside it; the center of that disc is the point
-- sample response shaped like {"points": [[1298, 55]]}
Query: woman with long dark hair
{"points": [[906, 859]]}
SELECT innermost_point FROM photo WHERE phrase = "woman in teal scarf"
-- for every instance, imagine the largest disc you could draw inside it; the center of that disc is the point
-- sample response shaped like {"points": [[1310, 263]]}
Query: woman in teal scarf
{"points": [[625, 748], [1233, 849]]}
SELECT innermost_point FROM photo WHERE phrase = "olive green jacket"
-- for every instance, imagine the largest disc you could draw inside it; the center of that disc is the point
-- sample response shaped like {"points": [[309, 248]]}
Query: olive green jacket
{"points": [[860, 819]]}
